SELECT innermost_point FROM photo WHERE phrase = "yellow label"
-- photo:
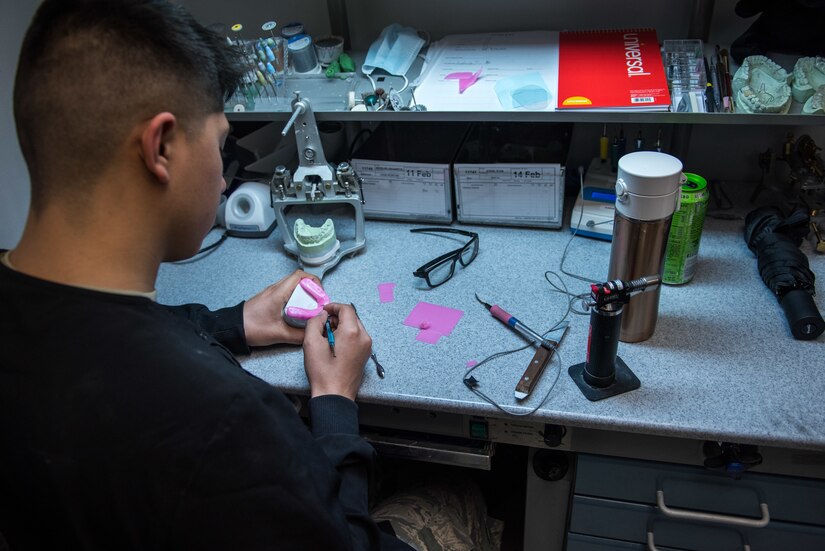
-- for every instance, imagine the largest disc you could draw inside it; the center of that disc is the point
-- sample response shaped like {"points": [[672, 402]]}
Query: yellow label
{"points": [[577, 100]]}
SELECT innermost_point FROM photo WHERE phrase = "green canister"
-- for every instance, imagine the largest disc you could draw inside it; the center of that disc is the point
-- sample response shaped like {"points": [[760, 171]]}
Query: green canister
{"points": [[685, 231]]}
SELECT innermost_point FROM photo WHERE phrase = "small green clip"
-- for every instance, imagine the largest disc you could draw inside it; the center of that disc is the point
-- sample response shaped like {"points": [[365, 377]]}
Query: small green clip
{"points": [[346, 63], [333, 70]]}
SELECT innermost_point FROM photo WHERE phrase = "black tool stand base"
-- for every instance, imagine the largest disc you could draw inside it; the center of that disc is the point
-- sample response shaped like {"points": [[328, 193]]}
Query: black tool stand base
{"points": [[625, 381]]}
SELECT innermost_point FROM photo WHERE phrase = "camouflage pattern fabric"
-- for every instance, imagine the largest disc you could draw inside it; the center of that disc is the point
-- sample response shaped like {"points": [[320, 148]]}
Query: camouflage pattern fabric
{"points": [[442, 516]]}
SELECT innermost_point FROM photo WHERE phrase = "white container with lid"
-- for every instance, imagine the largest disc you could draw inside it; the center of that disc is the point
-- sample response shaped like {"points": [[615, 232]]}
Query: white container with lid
{"points": [[302, 54], [648, 184]]}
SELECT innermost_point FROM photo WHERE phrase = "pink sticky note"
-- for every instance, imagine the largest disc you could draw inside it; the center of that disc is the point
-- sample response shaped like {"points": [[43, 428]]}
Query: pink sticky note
{"points": [[428, 335], [440, 319], [433, 320], [385, 292]]}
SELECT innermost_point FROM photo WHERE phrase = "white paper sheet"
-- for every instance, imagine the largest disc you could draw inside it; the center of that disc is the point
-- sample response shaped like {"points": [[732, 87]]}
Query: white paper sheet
{"points": [[500, 56]]}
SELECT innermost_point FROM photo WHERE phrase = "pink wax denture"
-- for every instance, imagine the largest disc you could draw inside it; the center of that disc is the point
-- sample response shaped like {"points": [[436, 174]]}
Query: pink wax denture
{"points": [[307, 301]]}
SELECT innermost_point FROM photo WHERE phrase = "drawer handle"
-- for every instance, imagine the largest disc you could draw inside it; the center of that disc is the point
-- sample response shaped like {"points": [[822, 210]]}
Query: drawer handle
{"points": [[651, 545], [713, 517]]}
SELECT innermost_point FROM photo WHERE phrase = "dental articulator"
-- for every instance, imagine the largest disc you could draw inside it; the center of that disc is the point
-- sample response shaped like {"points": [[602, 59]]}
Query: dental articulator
{"points": [[320, 185]]}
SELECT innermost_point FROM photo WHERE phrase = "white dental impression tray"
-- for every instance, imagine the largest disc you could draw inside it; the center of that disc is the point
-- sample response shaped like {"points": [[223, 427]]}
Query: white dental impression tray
{"points": [[815, 105], [808, 76], [760, 85]]}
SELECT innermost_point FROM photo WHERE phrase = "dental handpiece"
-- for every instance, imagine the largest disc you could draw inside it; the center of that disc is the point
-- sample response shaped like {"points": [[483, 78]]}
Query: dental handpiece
{"points": [[514, 323]]}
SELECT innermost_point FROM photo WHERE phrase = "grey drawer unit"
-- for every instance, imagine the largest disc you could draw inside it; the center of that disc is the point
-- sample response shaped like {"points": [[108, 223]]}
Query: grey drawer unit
{"points": [[684, 487], [579, 542], [644, 503], [622, 521]]}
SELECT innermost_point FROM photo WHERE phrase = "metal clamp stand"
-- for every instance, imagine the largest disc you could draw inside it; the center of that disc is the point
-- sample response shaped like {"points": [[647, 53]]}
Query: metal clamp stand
{"points": [[315, 182], [605, 374]]}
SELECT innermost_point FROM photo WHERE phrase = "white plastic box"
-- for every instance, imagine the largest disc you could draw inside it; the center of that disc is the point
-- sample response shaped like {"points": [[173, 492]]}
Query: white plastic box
{"points": [[512, 174], [405, 171]]}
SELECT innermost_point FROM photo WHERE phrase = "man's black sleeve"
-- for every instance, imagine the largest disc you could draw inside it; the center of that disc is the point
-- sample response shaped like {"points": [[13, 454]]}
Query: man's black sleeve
{"points": [[224, 325], [335, 427], [334, 421], [264, 482]]}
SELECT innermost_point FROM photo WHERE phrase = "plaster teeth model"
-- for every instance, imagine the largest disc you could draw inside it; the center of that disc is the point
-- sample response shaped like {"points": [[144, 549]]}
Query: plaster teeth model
{"points": [[316, 245], [815, 105], [808, 76], [761, 86]]}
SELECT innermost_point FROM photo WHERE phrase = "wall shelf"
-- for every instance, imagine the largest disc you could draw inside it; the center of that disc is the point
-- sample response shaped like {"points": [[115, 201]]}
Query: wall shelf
{"points": [[767, 119]]}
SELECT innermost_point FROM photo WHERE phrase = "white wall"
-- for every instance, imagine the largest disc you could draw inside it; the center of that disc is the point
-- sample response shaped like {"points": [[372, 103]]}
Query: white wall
{"points": [[443, 17], [14, 178], [254, 13]]}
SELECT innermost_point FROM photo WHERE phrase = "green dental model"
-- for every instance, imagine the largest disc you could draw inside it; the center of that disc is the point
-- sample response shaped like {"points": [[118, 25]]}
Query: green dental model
{"points": [[316, 245]]}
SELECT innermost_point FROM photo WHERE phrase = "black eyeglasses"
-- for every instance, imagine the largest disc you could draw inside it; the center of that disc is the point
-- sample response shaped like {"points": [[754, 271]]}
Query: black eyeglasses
{"points": [[439, 270]]}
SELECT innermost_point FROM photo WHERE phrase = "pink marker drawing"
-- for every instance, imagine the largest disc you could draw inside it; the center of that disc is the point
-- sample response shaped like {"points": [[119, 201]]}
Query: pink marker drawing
{"points": [[465, 79]]}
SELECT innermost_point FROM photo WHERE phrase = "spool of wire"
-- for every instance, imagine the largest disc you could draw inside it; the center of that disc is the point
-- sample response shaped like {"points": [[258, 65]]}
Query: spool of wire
{"points": [[302, 54], [291, 30]]}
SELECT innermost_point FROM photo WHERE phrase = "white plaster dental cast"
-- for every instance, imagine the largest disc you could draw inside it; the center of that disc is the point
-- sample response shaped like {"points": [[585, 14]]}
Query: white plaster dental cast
{"points": [[316, 245], [760, 85], [815, 105], [808, 76]]}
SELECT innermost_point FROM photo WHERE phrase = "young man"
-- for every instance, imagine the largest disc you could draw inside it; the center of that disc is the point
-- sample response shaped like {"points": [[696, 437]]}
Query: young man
{"points": [[125, 424]]}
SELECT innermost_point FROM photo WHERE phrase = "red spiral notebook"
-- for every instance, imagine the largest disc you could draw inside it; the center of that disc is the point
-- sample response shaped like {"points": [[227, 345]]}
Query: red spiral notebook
{"points": [[611, 70]]}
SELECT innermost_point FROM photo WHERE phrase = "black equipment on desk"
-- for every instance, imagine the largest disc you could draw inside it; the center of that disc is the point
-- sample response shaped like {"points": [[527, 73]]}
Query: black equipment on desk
{"points": [[604, 374], [733, 459], [775, 240]]}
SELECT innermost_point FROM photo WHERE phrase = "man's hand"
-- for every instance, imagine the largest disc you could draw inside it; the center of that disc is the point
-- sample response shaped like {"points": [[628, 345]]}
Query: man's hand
{"points": [[263, 320], [343, 373]]}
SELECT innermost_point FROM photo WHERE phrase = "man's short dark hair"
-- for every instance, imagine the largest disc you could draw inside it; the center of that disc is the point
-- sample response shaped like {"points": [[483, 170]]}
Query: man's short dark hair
{"points": [[90, 70]]}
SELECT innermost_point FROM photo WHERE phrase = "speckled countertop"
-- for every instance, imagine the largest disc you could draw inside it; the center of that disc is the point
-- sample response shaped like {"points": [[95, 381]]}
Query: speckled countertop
{"points": [[721, 365]]}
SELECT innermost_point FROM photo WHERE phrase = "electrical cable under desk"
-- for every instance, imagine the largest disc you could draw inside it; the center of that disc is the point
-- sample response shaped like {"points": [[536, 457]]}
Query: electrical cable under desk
{"points": [[472, 383]]}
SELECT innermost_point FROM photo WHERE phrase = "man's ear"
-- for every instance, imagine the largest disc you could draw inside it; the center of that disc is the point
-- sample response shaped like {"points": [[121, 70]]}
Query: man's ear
{"points": [[156, 144]]}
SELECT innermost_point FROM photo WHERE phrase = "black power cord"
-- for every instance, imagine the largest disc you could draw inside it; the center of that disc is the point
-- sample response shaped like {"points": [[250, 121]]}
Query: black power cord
{"points": [[205, 251], [473, 384]]}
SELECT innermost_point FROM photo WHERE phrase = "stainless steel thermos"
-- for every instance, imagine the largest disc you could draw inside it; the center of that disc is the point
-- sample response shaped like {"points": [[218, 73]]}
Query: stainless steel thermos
{"points": [[647, 194]]}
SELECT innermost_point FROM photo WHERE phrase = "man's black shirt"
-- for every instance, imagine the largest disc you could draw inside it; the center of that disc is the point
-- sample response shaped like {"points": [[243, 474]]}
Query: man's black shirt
{"points": [[125, 424]]}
